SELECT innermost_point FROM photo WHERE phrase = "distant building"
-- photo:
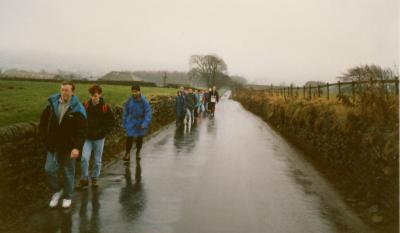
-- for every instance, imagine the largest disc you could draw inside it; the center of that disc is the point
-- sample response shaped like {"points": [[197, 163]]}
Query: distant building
{"points": [[173, 77], [157, 77], [121, 76]]}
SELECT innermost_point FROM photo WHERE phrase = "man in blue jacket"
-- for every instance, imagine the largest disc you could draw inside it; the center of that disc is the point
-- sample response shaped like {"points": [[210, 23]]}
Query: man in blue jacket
{"points": [[136, 121], [63, 126]]}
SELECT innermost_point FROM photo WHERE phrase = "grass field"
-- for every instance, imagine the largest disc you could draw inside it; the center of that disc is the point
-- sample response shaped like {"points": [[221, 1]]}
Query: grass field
{"points": [[23, 101]]}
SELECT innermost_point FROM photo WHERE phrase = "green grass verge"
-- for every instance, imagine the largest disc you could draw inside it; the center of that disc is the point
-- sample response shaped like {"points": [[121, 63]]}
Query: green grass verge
{"points": [[23, 101]]}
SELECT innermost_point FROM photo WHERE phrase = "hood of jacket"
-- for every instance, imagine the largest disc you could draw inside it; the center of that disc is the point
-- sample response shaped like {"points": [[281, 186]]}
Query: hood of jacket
{"points": [[75, 105]]}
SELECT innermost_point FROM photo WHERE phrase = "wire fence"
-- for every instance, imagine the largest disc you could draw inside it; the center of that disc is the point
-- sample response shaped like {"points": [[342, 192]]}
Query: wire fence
{"points": [[334, 90]]}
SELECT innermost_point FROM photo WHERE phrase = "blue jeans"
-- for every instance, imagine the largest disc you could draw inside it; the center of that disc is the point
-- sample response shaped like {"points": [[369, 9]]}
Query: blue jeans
{"points": [[53, 163], [189, 116], [97, 147]]}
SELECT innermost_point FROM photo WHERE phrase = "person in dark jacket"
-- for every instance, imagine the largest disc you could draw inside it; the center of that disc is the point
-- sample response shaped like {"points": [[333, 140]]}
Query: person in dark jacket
{"points": [[136, 121], [213, 100], [100, 122], [206, 98], [190, 103], [180, 108], [63, 126], [182, 91]]}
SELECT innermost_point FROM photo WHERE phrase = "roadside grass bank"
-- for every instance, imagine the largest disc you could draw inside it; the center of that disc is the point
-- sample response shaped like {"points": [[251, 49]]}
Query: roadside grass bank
{"points": [[23, 101], [355, 146]]}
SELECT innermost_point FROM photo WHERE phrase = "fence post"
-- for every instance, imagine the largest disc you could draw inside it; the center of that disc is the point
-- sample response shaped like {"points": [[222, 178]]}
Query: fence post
{"points": [[297, 92], [327, 91], [309, 91], [339, 87], [304, 91], [396, 82], [353, 91]]}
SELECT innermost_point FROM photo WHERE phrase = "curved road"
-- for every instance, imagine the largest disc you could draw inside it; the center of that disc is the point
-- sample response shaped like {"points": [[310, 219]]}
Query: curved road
{"points": [[232, 173]]}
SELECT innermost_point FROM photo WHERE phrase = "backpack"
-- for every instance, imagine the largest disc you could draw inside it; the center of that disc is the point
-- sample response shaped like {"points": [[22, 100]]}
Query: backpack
{"points": [[104, 108]]}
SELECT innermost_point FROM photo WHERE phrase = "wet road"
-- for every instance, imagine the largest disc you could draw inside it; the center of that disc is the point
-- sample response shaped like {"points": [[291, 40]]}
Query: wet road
{"points": [[232, 173]]}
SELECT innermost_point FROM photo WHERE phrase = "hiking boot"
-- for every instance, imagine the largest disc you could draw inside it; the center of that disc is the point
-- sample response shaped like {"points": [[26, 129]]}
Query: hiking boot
{"points": [[127, 157], [66, 203], [94, 183], [82, 184], [55, 198]]}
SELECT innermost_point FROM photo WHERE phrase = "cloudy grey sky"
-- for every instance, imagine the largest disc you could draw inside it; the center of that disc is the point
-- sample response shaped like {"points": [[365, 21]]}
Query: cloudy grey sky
{"points": [[266, 41]]}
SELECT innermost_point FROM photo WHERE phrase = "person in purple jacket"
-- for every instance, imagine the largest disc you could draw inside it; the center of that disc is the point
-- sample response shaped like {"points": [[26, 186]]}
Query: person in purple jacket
{"points": [[136, 121]]}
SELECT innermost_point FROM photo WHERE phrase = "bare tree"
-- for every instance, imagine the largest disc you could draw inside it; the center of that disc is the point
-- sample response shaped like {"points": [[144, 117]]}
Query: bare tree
{"points": [[367, 72], [207, 66]]}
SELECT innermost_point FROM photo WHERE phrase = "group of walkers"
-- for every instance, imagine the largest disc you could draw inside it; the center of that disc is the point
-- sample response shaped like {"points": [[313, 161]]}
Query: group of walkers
{"points": [[193, 104], [70, 128]]}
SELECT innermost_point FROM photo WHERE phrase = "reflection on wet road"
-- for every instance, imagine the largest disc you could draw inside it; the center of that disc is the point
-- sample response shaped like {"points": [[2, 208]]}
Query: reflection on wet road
{"points": [[231, 173]]}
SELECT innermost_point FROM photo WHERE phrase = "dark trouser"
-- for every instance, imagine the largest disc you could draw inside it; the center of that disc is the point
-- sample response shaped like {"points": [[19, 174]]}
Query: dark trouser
{"points": [[129, 142], [211, 107], [179, 118]]}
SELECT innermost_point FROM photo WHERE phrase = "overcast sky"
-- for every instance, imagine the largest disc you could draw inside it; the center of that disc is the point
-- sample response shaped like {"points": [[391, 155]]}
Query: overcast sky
{"points": [[265, 41]]}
